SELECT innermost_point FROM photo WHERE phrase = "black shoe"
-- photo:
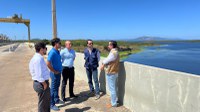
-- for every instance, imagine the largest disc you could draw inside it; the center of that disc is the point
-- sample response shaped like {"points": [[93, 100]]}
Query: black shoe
{"points": [[60, 102], [73, 96], [65, 99], [90, 94], [55, 108]]}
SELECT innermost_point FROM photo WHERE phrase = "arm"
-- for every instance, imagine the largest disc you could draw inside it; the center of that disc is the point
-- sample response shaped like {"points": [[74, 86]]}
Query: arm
{"points": [[74, 55], [38, 70], [84, 52], [51, 68], [49, 58], [111, 57], [61, 54], [98, 56]]}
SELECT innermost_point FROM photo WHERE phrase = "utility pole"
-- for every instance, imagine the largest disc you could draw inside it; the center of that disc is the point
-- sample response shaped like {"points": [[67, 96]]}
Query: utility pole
{"points": [[15, 38], [54, 19]]}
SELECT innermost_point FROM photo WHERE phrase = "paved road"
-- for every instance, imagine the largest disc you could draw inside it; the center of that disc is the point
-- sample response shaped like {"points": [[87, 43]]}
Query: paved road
{"points": [[17, 94], [11, 47]]}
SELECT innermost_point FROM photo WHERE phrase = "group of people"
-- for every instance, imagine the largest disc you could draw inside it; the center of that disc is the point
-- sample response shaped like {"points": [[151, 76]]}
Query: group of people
{"points": [[62, 63]]}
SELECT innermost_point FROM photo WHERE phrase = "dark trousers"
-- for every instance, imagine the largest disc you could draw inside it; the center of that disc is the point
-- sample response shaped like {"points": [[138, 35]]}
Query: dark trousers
{"points": [[93, 73], [67, 73], [43, 96]]}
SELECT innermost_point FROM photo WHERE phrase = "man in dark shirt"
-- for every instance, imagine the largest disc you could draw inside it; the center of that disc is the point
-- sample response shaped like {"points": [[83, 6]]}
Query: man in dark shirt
{"points": [[92, 57]]}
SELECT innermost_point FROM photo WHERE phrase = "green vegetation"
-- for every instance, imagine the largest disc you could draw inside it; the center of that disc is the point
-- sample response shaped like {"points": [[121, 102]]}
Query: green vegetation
{"points": [[125, 48], [194, 40]]}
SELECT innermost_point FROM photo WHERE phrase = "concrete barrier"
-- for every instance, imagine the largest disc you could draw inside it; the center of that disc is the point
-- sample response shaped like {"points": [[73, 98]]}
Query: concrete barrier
{"points": [[144, 88]]}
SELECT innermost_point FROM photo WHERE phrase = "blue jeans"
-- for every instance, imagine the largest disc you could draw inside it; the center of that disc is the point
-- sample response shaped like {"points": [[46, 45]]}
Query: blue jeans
{"points": [[111, 80], [55, 83], [93, 73]]}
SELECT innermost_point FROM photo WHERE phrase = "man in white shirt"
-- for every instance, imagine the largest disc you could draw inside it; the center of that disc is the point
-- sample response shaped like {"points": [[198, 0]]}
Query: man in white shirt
{"points": [[40, 75], [112, 63]]}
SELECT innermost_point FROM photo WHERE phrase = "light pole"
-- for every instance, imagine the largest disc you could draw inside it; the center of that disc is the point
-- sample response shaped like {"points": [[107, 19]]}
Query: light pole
{"points": [[54, 19], [15, 38]]}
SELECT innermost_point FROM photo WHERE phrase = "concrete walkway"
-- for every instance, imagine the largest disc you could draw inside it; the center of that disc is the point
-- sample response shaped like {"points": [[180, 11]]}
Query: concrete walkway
{"points": [[85, 103], [17, 94]]}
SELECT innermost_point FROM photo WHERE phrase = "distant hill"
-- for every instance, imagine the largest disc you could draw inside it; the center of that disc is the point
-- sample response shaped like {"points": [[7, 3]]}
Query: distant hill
{"points": [[147, 38], [150, 39]]}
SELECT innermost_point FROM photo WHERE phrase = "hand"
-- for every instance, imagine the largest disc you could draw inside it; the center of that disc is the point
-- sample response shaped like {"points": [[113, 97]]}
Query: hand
{"points": [[56, 72], [102, 67], [44, 85]]}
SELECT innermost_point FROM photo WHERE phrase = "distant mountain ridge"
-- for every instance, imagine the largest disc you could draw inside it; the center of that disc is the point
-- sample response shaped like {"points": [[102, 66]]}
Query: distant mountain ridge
{"points": [[147, 38]]}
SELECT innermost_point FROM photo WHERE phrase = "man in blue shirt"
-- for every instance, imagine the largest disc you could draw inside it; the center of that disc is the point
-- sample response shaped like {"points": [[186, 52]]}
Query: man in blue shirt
{"points": [[55, 66], [67, 56]]}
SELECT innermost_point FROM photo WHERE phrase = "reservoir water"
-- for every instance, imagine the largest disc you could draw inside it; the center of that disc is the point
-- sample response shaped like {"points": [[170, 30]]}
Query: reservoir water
{"points": [[182, 56]]}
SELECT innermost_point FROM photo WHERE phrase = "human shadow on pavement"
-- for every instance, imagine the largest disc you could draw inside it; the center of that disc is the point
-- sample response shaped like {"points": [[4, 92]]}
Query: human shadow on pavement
{"points": [[82, 96], [77, 109], [121, 83], [102, 81]]}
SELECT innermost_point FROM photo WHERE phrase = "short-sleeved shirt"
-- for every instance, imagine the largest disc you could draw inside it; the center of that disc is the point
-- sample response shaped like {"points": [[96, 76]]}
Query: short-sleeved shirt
{"points": [[55, 59], [67, 57]]}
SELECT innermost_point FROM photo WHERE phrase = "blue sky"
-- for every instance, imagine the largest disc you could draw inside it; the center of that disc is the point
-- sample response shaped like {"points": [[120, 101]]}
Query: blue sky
{"points": [[104, 19]]}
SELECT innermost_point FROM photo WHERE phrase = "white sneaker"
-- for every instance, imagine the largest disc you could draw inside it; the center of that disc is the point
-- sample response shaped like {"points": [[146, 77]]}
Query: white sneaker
{"points": [[97, 97]]}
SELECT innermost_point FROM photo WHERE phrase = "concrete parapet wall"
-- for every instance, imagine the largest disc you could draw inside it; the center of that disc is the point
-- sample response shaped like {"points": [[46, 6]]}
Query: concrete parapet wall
{"points": [[144, 88]]}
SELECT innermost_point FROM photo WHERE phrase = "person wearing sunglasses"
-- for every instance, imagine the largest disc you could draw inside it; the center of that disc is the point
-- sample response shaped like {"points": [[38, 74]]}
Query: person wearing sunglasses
{"points": [[55, 65], [92, 58]]}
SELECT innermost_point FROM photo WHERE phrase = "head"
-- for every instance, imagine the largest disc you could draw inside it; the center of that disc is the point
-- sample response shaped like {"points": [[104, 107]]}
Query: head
{"points": [[40, 47], [89, 43], [112, 44], [68, 44], [56, 43]]}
